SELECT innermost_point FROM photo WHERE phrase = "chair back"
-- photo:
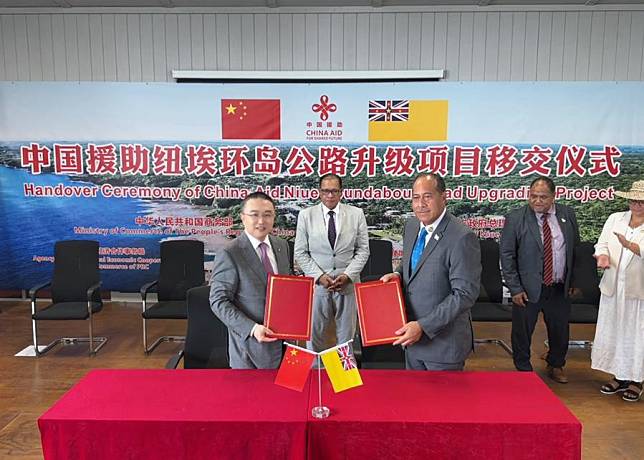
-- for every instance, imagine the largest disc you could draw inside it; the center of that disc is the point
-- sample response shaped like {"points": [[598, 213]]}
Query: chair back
{"points": [[491, 280], [181, 268], [207, 337], [585, 275], [291, 255], [75, 270], [380, 260], [382, 357]]}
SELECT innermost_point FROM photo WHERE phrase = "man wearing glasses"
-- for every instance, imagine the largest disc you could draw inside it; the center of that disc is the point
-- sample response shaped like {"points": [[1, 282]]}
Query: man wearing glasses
{"points": [[238, 285], [332, 246]]}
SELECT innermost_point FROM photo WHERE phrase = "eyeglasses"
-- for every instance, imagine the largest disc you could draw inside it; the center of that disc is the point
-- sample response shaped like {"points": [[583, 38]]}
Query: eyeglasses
{"points": [[257, 216], [636, 202], [329, 191]]}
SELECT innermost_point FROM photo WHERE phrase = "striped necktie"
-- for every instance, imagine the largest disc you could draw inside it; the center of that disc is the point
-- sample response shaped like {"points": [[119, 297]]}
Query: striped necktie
{"points": [[548, 269]]}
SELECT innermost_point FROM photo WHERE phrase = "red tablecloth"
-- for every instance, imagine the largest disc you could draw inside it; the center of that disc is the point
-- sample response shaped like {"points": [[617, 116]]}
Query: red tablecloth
{"points": [[417, 414], [190, 414], [176, 414]]}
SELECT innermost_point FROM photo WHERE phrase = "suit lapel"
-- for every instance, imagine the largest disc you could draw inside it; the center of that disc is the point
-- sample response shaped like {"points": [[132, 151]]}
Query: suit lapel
{"points": [[533, 226], [565, 227], [318, 222], [409, 238], [342, 213], [251, 258], [281, 257], [434, 241]]}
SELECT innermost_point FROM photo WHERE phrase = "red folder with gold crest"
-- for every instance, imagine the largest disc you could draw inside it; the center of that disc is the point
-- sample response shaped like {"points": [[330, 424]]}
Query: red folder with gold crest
{"points": [[289, 303], [381, 311]]}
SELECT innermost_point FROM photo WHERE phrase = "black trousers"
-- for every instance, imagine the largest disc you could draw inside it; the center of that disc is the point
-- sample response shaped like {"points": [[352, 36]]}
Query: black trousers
{"points": [[556, 314]]}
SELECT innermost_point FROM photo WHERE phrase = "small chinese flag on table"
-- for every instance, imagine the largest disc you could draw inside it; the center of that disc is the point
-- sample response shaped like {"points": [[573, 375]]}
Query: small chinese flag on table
{"points": [[250, 119], [295, 368]]}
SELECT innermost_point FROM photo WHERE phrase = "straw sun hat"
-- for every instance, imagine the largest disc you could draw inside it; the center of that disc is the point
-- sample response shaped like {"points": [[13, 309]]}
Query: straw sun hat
{"points": [[635, 193]]}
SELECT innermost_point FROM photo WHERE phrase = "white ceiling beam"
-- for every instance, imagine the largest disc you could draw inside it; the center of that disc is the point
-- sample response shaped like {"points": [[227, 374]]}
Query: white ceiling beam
{"points": [[484, 2], [166, 3], [591, 2], [305, 75]]}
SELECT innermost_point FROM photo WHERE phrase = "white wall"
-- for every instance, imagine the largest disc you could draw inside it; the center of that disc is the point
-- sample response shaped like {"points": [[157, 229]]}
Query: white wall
{"points": [[129, 45]]}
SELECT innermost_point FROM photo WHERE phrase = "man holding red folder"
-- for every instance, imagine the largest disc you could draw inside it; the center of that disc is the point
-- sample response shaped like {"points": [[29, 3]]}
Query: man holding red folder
{"points": [[238, 285], [441, 273]]}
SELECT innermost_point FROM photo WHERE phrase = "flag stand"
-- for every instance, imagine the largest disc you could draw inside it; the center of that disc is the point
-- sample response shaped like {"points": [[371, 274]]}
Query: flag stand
{"points": [[320, 411]]}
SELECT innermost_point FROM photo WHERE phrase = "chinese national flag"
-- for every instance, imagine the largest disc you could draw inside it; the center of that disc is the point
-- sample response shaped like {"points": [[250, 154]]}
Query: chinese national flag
{"points": [[250, 119], [295, 367]]}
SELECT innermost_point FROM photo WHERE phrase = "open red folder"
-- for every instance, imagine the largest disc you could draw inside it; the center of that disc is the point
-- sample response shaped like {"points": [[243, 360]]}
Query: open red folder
{"points": [[381, 311], [289, 304]]}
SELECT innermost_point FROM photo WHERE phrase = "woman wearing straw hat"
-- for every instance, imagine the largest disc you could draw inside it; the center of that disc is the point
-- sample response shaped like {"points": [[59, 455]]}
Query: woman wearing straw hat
{"points": [[618, 348]]}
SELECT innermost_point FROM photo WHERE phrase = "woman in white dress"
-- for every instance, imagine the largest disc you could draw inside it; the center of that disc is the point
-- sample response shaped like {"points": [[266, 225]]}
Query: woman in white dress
{"points": [[618, 348]]}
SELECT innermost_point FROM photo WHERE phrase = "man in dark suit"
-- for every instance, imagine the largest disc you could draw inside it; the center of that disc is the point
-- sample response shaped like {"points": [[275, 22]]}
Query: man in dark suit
{"points": [[441, 274], [537, 252], [238, 285]]}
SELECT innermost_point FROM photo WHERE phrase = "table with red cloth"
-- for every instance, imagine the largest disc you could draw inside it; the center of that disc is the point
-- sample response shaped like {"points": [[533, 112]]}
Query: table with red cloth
{"points": [[176, 414], [419, 414], [194, 414]]}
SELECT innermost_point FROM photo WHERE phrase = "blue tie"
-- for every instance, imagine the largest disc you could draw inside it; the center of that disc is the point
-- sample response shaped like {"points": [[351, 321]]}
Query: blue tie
{"points": [[418, 249]]}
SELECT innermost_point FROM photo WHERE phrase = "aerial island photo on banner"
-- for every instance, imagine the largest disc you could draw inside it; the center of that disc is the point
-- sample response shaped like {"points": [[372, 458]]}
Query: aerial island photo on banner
{"points": [[133, 164]]}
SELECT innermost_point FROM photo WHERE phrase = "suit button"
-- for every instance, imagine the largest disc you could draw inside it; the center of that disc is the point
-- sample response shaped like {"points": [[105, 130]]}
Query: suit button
{"points": [[334, 267], [334, 254]]}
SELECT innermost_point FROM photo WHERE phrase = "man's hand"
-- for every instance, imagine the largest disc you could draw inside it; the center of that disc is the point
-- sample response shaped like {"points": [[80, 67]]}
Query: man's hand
{"points": [[574, 293], [325, 281], [389, 277], [263, 334], [409, 334], [340, 283], [520, 299], [603, 261]]}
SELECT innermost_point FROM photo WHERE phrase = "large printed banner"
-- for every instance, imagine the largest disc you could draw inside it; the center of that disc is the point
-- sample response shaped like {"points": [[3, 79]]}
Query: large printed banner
{"points": [[131, 165]]}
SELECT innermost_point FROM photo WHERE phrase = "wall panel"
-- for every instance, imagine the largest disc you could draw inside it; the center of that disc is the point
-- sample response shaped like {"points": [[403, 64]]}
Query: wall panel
{"points": [[502, 44]]}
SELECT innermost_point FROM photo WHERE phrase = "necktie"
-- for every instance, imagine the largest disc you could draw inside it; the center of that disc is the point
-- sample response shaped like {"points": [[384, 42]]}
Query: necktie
{"points": [[331, 230], [418, 249], [263, 248], [548, 270]]}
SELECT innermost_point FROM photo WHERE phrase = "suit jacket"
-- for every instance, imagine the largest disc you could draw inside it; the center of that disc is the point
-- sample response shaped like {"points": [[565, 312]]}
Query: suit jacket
{"points": [[313, 252], [238, 296], [440, 292], [609, 245], [521, 249]]}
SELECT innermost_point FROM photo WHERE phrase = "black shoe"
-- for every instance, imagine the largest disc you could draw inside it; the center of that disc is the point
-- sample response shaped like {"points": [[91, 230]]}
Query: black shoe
{"points": [[614, 386], [633, 393]]}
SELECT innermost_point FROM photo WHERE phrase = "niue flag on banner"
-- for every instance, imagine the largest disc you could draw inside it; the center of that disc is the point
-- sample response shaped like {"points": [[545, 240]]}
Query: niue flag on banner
{"points": [[294, 370], [408, 120], [250, 119]]}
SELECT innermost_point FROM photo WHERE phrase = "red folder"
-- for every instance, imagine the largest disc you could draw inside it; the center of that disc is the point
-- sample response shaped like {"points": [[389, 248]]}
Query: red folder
{"points": [[381, 311], [289, 304]]}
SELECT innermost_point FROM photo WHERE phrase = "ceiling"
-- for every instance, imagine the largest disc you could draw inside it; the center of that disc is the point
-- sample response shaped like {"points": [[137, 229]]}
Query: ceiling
{"points": [[304, 3]]}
